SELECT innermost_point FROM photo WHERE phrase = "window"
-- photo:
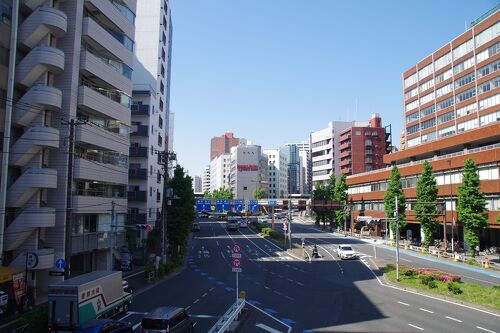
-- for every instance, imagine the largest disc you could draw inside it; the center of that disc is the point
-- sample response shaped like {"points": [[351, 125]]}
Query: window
{"points": [[411, 105], [413, 142], [442, 61], [488, 34], [446, 117], [426, 85], [357, 132], [489, 52], [446, 131], [411, 93], [467, 125], [413, 129], [489, 118], [428, 123], [425, 71], [444, 104], [465, 110], [427, 111], [410, 80], [490, 68], [465, 80], [490, 101], [469, 93], [444, 76], [444, 90], [488, 85], [150, 191], [368, 142], [427, 98], [463, 65], [463, 49], [429, 137]]}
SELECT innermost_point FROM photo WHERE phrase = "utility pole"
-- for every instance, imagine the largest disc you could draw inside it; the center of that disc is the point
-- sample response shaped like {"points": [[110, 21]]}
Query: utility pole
{"points": [[112, 225], [452, 215], [7, 122], [69, 198], [290, 220], [396, 220], [166, 156], [345, 220]]}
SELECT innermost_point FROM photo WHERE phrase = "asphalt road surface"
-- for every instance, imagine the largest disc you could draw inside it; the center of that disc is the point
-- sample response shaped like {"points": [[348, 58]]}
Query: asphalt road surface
{"points": [[325, 295]]}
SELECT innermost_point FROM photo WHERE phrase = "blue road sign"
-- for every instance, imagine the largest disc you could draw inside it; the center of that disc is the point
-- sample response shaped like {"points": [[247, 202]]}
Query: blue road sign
{"points": [[219, 205], [272, 202], [227, 204], [60, 263], [238, 205], [199, 204], [253, 205], [207, 205]]}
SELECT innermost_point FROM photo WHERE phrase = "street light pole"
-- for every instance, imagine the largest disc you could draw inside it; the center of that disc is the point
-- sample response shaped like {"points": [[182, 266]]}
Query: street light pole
{"points": [[452, 215], [396, 220]]}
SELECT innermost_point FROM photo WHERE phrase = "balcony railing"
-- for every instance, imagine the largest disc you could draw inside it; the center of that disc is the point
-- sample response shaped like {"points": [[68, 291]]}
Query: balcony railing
{"points": [[99, 193], [137, 196], [140, 130], [115, 95], [138, 173], [140, 109], [115, 159], [138, 152]]}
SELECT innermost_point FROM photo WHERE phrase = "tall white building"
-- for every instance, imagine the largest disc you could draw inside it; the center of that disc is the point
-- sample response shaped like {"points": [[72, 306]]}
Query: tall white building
{"points": [[197, 184], [219, 172], [277, 173], [305, 184], [248, 171], [72, 63], [205, 179], [151, 131], [325, 151]]}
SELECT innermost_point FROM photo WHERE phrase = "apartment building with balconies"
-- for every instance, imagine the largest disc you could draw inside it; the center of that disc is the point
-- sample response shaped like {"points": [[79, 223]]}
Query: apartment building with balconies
{"points": [[219, 172], [73, 61], [150, 114], [278, 164], [451, 113]]}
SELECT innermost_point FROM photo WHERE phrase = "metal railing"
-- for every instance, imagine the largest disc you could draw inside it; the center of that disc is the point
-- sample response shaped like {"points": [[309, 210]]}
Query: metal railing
{"points": [[222, 325]]}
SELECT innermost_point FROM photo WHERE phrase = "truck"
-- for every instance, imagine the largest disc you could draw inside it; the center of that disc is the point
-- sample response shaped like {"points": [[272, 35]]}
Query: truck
{"points": [[78, 300]]}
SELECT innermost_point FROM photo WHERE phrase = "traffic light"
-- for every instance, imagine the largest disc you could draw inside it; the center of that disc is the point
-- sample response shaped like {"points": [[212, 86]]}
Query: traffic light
{"points": [[146, 227]]}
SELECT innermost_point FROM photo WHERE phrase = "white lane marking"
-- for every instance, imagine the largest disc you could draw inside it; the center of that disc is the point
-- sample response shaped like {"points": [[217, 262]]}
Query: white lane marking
{"points": [[188, 307], [203, 316], [300, 284], [195, 323], [451, 318], [425, 310], [267, 287], [404, 303], [197, 300], [420, 328], [272, 273], [211, 289], [289, 280], [127, 315], [132, 275], [205, 294], [472, 278], [290, 298], [217, 243], [222, 254], [135, 326], [281, 276], [277, 293], [484, 329], [267, 328]]}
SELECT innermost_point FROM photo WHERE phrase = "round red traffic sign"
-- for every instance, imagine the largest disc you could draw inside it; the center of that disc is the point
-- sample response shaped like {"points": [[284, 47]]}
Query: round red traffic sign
{"points": [[236, 263], [236, 248]]}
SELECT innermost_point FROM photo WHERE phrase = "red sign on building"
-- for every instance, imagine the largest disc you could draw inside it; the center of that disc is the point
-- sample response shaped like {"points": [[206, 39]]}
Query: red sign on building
{"points": [[248, 167]]}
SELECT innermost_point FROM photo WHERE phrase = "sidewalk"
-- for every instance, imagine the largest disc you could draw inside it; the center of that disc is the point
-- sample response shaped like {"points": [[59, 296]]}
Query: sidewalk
{"points": [[494, 267]]}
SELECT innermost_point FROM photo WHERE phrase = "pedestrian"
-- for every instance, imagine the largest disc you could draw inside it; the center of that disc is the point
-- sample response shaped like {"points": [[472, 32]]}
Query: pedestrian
{"points": [[477, 250]]}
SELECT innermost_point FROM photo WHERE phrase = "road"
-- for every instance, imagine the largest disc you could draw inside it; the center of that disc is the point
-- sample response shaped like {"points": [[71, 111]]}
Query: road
{"points": [[325, 295]]}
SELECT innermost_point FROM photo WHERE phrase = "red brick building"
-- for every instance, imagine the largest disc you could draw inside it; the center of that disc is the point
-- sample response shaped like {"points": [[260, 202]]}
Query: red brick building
{"points": [[363, 148], [222, 144]]}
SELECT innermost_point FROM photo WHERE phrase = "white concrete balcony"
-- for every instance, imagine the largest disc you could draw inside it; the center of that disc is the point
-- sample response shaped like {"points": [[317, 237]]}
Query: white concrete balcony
{"points": [[92, 65], [29, 183], [100, 101], [42, 21], [90, 203], [92, 170], [31, 142], [31, 104], [39, 61], [103, 42], [45, 257], [101, 138], [107, 12], [25, 223]]}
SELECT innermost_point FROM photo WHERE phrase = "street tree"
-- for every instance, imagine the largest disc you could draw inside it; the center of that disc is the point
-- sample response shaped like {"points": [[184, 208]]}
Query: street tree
{"points": [[471, 205], [394, 189], [259, 193], [341, 195], [222, 193], [320, 193], [180, 214], [427, 191], [331, 187]]}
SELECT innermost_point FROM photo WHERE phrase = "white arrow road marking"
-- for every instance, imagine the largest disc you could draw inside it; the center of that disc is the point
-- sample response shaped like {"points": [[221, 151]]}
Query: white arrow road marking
{"points": [[267, 328]]}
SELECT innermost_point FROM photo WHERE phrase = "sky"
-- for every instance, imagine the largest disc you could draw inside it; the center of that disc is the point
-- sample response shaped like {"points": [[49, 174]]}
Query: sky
{"points": [[272, 71]]}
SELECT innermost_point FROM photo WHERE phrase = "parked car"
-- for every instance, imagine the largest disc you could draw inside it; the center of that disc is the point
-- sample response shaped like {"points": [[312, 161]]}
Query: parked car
{"points": [[244, 224], [105, 326], [195, 227], [345, 251], [167, 319]]}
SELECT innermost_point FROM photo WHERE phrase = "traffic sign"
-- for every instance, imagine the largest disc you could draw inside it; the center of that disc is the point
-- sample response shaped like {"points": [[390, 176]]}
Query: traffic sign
{"points": [[199, 204], [60, 263], [207, 204], [253, 205], [238, 205], [219, 205], [227, 205], [272, 202], [236, 248]]}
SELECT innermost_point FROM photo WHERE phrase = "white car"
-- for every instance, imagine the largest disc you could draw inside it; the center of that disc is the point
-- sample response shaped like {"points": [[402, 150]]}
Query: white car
{"points": [[345, 251], [243, 224], [262, 219]]}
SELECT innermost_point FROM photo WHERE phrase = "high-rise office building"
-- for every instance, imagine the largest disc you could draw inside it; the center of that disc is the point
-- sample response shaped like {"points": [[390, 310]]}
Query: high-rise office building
{"points": [[197, 184], [277, 173], [248, 171], [222, 144], [451, 112], [219, 172], [291, 152], [151, 130], [205, 179], [72, 79]]}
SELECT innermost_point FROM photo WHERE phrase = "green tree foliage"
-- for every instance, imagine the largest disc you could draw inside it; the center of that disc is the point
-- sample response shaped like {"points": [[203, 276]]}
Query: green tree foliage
{"points": [[207, 195], [471, 204], [180, 213], [321, 192], [395, 189], [259, 193], [331, 187], [427, 191], [341, 195], [222, 193]]}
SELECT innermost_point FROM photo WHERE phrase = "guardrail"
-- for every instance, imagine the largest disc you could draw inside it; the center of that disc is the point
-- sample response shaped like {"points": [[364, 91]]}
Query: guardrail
{"points": [[222, 325]]}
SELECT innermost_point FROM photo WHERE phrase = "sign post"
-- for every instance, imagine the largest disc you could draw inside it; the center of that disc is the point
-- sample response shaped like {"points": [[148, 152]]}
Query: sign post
{"points": [[236, 264]]}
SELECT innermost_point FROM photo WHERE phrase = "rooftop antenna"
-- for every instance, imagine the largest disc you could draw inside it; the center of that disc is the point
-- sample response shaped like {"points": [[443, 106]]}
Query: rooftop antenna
{"points": [[356, 109], [465, 25]]}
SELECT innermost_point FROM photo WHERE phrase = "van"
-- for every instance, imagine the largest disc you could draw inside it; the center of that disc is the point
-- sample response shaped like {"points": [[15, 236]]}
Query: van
{"points": [[167, 319]]}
